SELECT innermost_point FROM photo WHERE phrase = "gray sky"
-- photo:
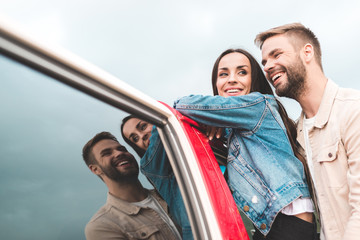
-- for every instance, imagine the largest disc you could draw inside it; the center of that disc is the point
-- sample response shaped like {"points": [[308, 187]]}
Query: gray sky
{"points": [[165, 49]]}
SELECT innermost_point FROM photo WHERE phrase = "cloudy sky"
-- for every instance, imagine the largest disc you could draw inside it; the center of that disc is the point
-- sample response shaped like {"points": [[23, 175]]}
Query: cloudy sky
{"points": [[165, 49]]}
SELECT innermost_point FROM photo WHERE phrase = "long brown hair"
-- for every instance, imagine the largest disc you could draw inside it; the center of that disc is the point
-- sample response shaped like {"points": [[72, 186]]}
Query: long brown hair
{"points": [[260, 84]]}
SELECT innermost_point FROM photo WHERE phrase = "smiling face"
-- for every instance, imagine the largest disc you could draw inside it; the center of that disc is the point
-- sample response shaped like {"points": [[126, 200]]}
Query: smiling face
{"points": [[115, 162], [138, 132], [234, 75], [283, 66]]}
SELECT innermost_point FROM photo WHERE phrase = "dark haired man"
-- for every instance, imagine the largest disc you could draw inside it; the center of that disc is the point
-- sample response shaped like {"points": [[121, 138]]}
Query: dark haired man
{"points": [[131, 211], [328, 128]]}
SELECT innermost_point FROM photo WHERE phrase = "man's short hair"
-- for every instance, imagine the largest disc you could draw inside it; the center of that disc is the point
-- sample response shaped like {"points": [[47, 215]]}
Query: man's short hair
{"points": [[298, 35], [87, 153]]}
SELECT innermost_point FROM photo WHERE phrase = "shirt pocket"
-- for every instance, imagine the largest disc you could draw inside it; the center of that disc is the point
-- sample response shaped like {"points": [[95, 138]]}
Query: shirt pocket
{"points": [[144, 233], [332, 168]]}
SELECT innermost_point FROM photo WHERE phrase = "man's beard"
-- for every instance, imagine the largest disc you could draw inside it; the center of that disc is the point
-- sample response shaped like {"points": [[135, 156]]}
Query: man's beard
{"points": [[295, 84], [125, 177]]}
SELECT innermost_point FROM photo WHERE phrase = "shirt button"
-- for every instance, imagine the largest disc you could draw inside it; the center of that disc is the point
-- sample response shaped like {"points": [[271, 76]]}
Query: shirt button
{"points": [[263, 226], [246, 208], [330, 155]]}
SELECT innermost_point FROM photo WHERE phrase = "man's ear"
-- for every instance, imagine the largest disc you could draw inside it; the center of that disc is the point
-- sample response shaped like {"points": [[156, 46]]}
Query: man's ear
{"points": [[94, 168], [308, 51]]}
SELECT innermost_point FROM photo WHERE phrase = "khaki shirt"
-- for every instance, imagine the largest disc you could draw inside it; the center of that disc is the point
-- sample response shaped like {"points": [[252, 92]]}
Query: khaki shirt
{"points": [[335, 144], [119, 219]]}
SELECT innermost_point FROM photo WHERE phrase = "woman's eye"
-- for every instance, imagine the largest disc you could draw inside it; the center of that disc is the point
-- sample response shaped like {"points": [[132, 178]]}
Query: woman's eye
{"points": [[242, 72], [223, 74], [135, 139], [143, 126]]}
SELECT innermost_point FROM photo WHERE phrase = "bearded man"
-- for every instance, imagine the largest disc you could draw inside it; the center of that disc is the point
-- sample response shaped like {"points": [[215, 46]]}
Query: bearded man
{"points": [[131, 211], [328, 128]]}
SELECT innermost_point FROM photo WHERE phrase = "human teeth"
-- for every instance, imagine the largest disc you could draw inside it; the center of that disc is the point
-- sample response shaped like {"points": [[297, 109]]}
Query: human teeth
{"points": [[122, 163], [276, 76], [233, 90]]}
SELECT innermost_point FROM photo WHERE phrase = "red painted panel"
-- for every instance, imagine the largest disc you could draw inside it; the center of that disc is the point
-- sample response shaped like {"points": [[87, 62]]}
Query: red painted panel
{"points": [[226, 211]]}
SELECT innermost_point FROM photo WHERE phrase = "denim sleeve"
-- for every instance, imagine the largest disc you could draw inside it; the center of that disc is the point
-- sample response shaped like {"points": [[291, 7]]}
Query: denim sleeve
{"points": [[155, 162], [156, 167], [243, 112]]}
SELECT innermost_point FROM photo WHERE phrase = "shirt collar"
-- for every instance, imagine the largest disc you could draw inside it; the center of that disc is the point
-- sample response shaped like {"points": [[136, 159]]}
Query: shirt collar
{"points": [[327, 101], [322, 116], [124, 206]]}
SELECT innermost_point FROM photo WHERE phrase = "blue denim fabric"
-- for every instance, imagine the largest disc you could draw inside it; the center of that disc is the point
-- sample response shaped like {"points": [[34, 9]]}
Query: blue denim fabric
{"points": [[263, 173], [156, 167]]}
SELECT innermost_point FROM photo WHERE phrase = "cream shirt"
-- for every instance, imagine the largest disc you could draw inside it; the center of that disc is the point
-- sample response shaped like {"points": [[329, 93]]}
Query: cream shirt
{"points": [[335, 146]]}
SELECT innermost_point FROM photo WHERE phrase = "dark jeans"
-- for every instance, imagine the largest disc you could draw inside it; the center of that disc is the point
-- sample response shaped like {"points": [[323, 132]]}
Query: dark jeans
{"points": [[289, 228]]}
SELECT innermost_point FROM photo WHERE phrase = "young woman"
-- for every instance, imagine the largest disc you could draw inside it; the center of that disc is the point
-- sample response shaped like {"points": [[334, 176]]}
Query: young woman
{"points": [[154, 164], [265, 170]]}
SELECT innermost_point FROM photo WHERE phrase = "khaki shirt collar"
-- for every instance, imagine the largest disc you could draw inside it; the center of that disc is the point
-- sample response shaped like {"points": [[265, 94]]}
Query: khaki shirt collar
{"points": [[132, 209], [327, 102], [323, 114], [124, 206]]}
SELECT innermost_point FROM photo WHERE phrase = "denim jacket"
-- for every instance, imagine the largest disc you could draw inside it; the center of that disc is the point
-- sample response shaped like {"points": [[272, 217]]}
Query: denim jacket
{"points": [[263, 173], [156, 167]]}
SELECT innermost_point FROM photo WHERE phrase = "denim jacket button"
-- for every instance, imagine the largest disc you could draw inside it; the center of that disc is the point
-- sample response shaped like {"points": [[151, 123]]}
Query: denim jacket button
{"points": [[246, 208], [263, 226]]}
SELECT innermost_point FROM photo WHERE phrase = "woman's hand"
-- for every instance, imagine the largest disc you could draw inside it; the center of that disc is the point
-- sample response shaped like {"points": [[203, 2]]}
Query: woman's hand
{"points": [[212, 132]]}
